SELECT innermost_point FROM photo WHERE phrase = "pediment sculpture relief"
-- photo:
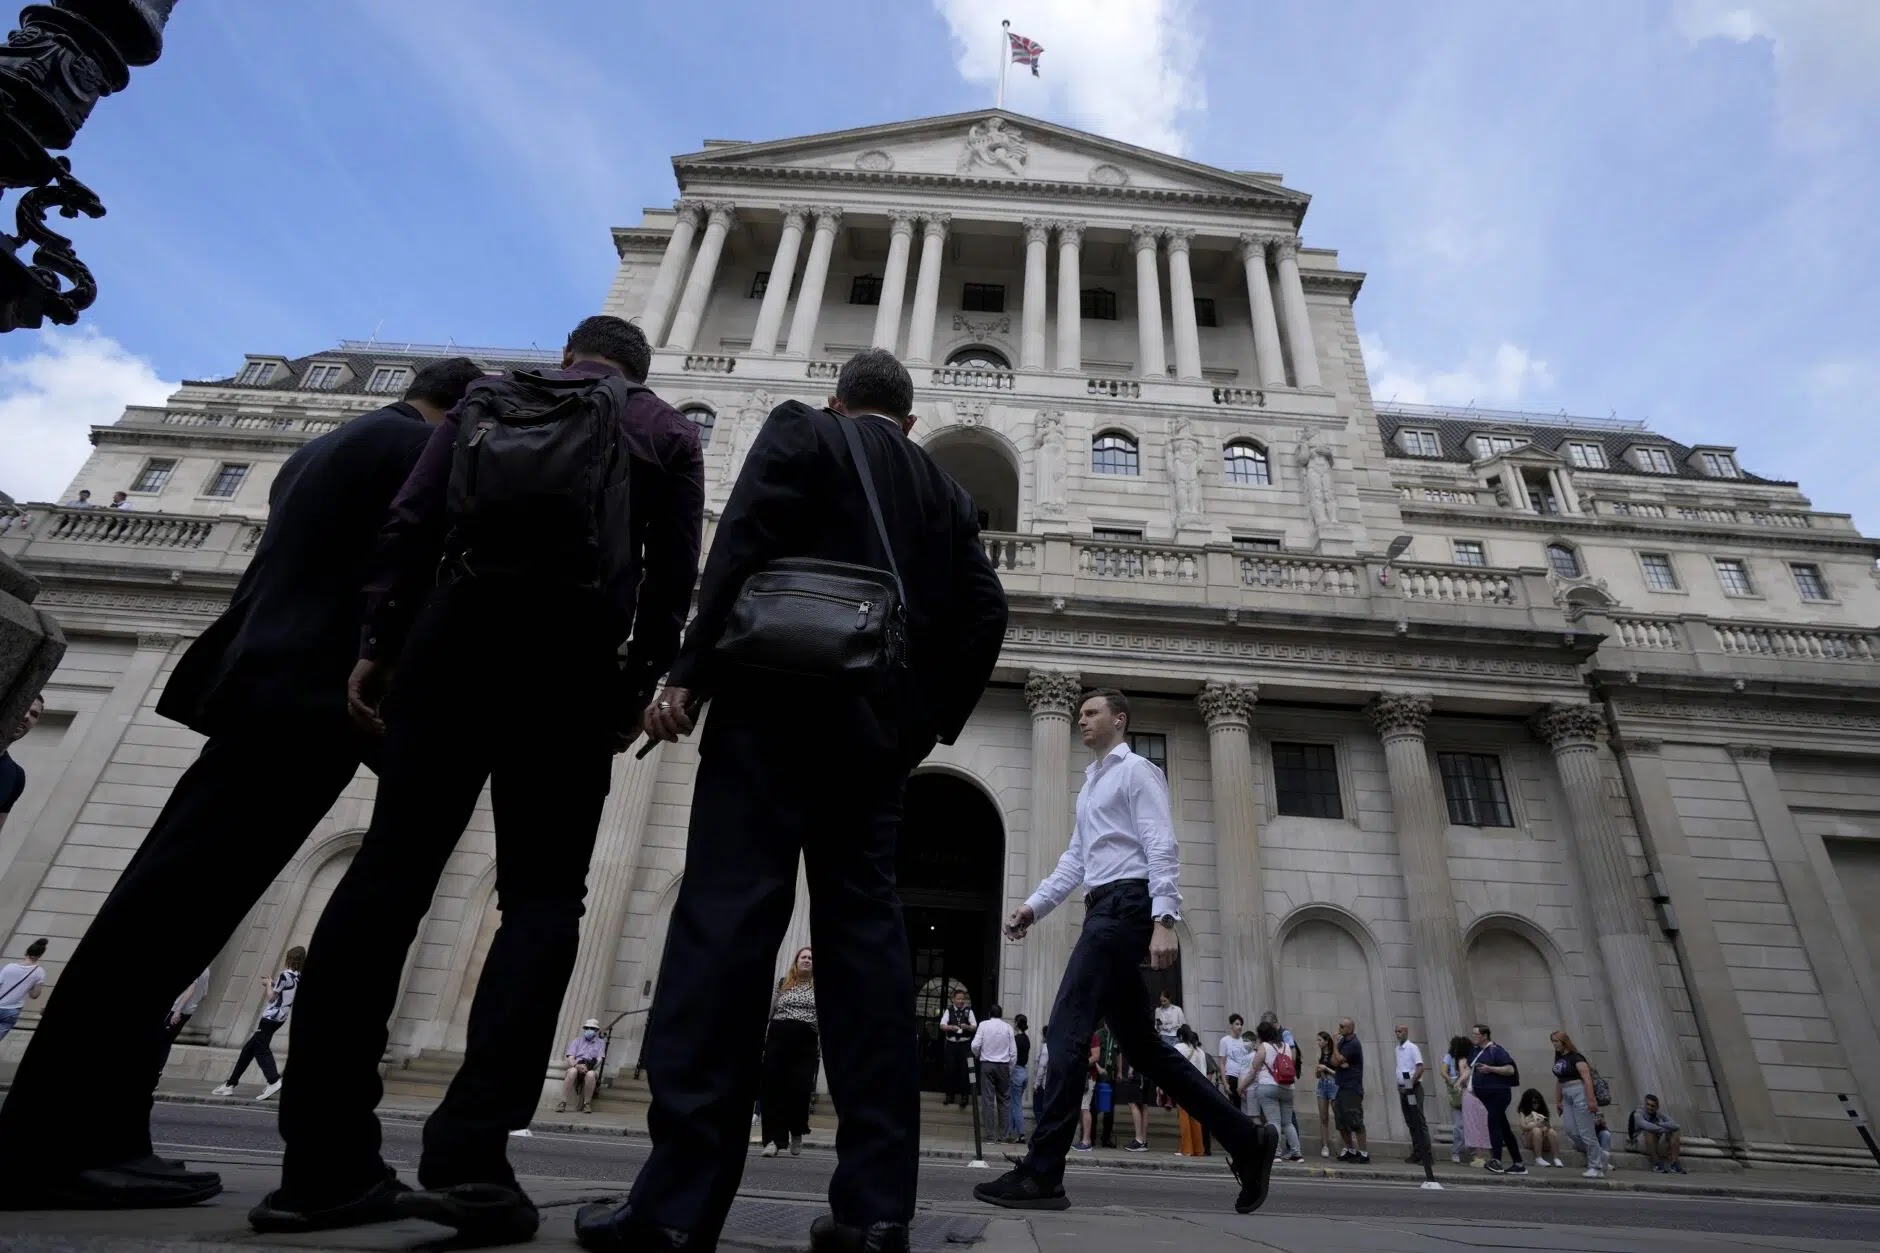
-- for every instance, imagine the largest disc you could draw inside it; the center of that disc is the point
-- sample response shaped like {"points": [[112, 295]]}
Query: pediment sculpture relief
{"points": [[993, 143]]}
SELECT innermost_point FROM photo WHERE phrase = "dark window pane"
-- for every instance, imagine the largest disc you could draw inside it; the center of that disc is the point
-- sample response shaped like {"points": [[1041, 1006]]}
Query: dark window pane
{"points": [[1204, 312], [155, 474], [979, 297], [1473, 786], [760, 284], [865, 289], [1097, 304], [1247, 464], [704, 419], [1150, 745], [1564, 560], [1306, 780], [228, 480]]}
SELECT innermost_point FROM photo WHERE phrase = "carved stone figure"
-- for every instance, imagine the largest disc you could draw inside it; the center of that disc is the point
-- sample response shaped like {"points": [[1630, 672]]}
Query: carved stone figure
{"points": [[1313, 456], [992, 143], [749, 420], [1049, 463], [1185, 472]]}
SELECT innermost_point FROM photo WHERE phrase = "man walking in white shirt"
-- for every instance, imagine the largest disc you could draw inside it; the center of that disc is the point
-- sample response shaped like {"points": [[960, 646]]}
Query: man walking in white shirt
{"points": [[1123, 853], [996, 1048]]}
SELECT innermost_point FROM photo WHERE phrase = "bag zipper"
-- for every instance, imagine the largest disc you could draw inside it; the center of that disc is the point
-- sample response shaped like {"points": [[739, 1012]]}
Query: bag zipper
{"points": [[861, 607]]}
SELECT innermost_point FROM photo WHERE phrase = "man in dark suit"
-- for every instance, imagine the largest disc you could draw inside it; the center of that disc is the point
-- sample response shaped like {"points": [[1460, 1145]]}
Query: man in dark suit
{"points": [[267, 684], [794, 768]]}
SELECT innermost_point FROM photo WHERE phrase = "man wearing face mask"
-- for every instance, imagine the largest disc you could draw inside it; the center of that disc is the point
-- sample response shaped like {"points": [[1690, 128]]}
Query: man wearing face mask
{"points": [[584, 1067]]}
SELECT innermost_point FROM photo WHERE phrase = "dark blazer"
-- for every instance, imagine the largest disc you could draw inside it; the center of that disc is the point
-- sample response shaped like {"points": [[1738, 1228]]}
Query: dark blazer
{"points": [[289, 637], [799, 496]]}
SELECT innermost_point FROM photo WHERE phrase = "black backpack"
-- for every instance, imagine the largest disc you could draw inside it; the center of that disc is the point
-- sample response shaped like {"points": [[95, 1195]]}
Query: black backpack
{"points": [[539, 481]]}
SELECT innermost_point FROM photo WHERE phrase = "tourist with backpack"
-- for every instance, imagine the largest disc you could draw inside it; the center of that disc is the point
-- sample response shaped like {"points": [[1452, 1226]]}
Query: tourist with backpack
{"points": [[1275, 1075], [1579, 1093], [554, 514]]}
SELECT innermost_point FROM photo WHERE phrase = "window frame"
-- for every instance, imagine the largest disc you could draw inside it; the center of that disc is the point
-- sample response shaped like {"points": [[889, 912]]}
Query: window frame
{"points": [[1253, 545], [1596, 460], [397, 378], [1489, 445], [1820, 577], [974, 297], [1478, 560], [1315, 797], [1712, 461], [1131, 446], [321, 376], [1560, 546], [221, 469], [1671, 568], [690, 411], [1257, 455], [954, 361], [1207, 312], [1131, 738], [1435, 448], [149, 467], [1091, 303], [760, 285], [263, 370], [1465, 810], [865, 290], [1653, 459], [1740, 565]]}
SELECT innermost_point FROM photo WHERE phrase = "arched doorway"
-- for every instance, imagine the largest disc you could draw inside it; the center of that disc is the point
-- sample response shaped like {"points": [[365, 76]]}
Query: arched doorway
{"points": [[985, 471], [1515, 994], [950, 870]]}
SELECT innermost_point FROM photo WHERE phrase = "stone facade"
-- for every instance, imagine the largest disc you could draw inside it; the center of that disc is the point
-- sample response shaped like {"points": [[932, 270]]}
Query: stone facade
{"points": [[1599, 749]]}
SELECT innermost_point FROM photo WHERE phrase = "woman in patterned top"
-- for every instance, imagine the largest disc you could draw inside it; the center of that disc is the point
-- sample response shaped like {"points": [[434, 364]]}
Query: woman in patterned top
{"points": [[790, 1056]]}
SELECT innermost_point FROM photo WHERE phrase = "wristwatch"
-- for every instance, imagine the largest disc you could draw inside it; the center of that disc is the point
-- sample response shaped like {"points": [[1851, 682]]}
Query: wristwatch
{"points": [[1166, 920]]}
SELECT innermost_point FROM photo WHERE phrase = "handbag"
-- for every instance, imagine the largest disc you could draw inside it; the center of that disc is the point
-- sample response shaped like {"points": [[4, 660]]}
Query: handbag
{"points": [[830, 620]]}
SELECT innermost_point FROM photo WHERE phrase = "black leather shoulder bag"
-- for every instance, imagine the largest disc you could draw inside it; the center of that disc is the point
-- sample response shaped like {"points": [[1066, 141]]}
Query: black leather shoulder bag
{"points": [[818, 619]]}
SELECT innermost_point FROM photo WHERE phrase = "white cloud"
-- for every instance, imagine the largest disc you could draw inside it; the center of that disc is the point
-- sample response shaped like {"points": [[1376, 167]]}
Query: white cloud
{"points": [[1506, 377], [51, 398], [1825, 53], [1126, 69]]}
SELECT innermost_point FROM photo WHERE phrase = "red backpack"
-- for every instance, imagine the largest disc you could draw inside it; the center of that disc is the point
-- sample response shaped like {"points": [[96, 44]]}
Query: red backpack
{"points": [[1284, 1072]]}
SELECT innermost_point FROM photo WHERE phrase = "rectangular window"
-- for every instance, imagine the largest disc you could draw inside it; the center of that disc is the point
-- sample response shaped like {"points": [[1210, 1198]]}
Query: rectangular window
{"points": [[1473, 786], [983, 298], [1306, 781], [228, 479], [320, 377], [154, 475], [1469, 552], [865, 289], [1150, 746], [1419, 443], [1540, 491], [1587, 456], [760, 283], [1493, 445], [1734, 575], [386, 378], [1660, 576], [1720, 465], [1652, 460], [1809, 581], [1255, 544], [1097, 303], [1117, 534], [255, 373], [1204, 312]]}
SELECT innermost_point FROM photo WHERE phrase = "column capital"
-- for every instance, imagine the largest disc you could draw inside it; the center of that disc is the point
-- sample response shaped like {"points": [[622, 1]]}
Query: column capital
{"points": [[1397, 714], [901, 222], [1285, 247], [1178, 238], [1051, 693], [1224, 703], [936, 224], [795, 214], [1037, 230], [1749, 752], [1069, 232], [1143, 238], [689, 209], [1562, 727], [828, 217], [1253, 245], [723, 213]]}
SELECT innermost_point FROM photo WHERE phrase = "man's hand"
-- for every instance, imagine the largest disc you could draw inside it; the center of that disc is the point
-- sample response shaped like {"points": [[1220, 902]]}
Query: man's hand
{"points": [[1019, 923], [173, 1017], [666, 718], [1164, 948], [365, 689]]}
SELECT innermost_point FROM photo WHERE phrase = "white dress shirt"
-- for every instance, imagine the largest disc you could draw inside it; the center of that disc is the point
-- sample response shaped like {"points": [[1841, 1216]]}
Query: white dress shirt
{"points": [[994, 1041], [1123, 831], [1409, 1057], [1168, 1020]]}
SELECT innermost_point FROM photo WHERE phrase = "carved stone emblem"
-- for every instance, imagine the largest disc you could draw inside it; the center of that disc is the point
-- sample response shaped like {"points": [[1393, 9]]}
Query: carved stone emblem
{"points": [[1108, 175], [874, 159], [993, 143], [969, 412], [980, 328]]}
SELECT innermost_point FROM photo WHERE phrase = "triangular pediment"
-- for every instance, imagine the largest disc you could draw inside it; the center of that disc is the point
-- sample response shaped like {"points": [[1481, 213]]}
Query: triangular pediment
{"points": [[988, 145]]}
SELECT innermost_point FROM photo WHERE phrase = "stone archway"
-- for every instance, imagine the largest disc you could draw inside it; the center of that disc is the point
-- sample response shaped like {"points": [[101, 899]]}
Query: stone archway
{"points": [[1515, 994], [457, 1035], [1329, 969], [982, 465]]}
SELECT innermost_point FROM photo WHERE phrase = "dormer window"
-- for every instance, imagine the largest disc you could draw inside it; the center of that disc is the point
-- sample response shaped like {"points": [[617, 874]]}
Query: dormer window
{"points": [[1586, 456], [1652, 460], [255, 374], [1493, 445], [1419, 443], [1719, 465], [387, 378], [320, 377]]}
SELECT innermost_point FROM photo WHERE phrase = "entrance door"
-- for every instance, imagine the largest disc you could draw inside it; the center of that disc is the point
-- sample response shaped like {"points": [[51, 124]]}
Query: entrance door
{"points": [[950, 868]]}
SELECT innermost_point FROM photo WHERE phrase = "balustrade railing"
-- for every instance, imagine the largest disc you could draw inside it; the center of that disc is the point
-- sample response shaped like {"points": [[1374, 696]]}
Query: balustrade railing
{"points": [[249, 422], [1318, 576], [117, 526], [708, 363], [1456, 585], [1705, 513], [1149, 563], [1114, 389], [1010, 552], [823, 369], [1774, 518], [1248, 396], [1797, 643], [974, 378], [1648, 634]]}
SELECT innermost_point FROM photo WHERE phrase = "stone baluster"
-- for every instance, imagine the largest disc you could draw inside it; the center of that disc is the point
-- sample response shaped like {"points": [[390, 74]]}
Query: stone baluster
{"points": [[782, 274], [1227, 709], [815, 275], [671, 267]]}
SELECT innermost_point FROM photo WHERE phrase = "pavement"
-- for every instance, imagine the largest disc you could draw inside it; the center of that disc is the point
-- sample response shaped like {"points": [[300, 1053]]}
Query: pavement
{"points": [[1116, 1210]]}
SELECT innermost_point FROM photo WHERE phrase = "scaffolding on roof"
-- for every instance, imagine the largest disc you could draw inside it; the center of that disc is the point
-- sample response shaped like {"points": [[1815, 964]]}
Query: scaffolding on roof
{"points": [[1510, 417]]}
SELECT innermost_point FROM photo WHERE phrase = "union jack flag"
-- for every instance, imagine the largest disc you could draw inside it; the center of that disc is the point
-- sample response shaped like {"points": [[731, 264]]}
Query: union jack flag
{"points": [[1025, 51]]}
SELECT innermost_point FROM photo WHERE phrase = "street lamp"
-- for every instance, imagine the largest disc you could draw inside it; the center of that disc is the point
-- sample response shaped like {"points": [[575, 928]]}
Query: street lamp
{"points": [[1397, 549], [65, 57]]}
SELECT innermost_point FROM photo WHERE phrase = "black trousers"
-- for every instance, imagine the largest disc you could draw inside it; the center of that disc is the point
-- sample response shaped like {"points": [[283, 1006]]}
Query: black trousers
{"points": [[958, 1082], [1103, 981], [511, 691], [259, 1050], [763, 798], [789, 1078], [1410, 1100], [231, 825], [1500, 1134]]}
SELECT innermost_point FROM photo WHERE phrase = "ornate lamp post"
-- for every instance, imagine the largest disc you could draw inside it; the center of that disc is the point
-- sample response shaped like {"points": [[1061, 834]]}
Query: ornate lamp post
{"points": [[64, 58]]}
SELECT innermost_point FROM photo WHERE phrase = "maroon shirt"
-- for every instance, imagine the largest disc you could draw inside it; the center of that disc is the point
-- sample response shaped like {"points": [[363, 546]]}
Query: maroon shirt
{"points": [[668, 493]]}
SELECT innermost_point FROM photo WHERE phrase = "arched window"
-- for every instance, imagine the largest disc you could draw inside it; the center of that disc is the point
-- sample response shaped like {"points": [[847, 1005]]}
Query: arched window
{"points": [[1246, 462], [979, 357], [1565, 562], [703, 418], [1114, 453]]}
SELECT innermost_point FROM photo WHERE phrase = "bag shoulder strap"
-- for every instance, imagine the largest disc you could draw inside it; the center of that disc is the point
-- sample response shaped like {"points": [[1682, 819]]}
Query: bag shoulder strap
{"points": [[854, 441], [16, 983]]}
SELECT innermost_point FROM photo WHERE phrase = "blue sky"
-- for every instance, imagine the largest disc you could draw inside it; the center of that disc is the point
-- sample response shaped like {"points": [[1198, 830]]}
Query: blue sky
{"points": [[1664, 209]]}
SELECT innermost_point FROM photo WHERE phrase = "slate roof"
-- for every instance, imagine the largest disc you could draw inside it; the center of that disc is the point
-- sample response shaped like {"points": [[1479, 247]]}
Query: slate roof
{"points": [[362, 358], [1453, 433]]}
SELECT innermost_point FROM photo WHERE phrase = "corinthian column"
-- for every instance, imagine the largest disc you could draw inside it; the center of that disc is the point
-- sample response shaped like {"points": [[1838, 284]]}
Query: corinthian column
{"points": [[927, 289], [1031, 316], [894, 282], [782, 274], [1227, 708], [671, 266], [815, 274], [609, 888], [1070, 326], [1422, 819], [698, 287], [1298, 323], [1051, 696], [1151, 363], [1181, 306], [1647, 1031], [1266, 351]]}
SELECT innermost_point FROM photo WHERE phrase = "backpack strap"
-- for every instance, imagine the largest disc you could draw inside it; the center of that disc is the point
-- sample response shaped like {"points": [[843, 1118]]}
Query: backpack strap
{"points": [[860, 454]]}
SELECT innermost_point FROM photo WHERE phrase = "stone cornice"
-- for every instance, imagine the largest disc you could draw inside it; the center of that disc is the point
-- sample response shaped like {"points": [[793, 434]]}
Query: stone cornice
{"points": [[204, 439], [1345, 282], [639, 239], [1615, 524]]}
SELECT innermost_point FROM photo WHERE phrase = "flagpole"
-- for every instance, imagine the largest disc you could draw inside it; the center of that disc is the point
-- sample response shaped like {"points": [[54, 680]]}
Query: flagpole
{"points": [[1005, 55]]}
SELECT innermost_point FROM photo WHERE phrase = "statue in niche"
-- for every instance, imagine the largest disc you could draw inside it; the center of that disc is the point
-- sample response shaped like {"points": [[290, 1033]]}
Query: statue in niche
{"points": [[1185, 471], [992, 143], [1049, 463], [744, 428], [1313, 456]]}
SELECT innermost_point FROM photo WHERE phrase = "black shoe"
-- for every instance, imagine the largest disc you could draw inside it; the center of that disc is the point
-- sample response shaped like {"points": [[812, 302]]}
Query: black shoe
{"points": [[1019, 1188], [481, 1213], [141, 1183], [377, 1204], [1346, 1155], [611, 1229], [1254, 1169], [826, 1235]]}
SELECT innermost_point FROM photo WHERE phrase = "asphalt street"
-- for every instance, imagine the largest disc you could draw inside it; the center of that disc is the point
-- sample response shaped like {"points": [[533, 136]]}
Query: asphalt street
{"points": [[245, 1132]]}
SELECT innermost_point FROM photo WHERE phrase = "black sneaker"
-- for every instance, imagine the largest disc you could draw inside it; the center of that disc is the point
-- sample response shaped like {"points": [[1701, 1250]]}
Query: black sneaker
{"points": [[1346, 1155], [1254, 1169], [1516, 1169], [1081, 1148], [481, 1213], [1135, 1146], [1363, 1159], [1019, 1188], [1495, 1167]]}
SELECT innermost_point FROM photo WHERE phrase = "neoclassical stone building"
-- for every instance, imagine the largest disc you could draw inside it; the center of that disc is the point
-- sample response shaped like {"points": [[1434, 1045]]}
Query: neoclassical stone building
{"points": [[1466, 715]]}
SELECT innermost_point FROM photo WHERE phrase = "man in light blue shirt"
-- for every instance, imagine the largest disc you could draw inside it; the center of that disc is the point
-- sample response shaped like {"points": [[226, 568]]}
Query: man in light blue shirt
{"points": [[1123, 854]]}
